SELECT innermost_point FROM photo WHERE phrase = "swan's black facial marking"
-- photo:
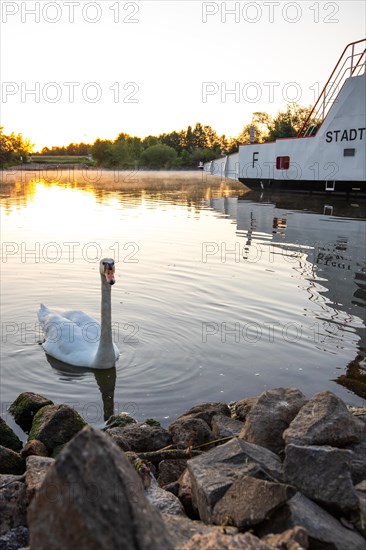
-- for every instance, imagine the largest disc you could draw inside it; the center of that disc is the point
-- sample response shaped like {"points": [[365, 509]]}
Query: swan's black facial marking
{"points": [[109, 271]]}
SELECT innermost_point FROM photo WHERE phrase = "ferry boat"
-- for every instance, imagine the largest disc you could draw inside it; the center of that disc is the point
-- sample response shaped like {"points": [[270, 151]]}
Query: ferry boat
{"points": [[328, 155]]}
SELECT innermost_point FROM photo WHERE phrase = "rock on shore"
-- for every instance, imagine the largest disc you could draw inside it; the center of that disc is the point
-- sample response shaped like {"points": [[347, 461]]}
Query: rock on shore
{"points": [[275, 471]]}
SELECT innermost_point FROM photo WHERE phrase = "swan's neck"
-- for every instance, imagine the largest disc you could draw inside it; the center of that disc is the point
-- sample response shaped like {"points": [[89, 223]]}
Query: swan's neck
{"points": [[105, 356]]}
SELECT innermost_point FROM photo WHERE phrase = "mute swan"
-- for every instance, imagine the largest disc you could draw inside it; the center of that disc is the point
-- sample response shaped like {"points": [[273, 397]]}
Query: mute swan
{"points": [[77, 339]]}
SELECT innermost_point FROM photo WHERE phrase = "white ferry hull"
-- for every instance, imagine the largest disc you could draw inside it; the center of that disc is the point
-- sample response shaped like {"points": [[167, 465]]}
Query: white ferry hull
{"points": [[332, 161]]}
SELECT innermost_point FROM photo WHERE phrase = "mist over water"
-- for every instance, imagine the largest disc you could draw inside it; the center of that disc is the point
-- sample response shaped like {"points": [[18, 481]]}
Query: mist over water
{"points": [[219, 294]]}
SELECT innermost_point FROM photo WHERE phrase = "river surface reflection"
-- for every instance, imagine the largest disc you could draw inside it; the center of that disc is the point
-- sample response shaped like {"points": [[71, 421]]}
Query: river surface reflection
{"points": [[220, 294]]}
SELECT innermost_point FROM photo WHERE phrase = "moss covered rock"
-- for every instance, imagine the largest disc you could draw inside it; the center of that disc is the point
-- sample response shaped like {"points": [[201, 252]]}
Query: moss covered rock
{"points": [[8, 438], [11, 462], [55, 425], [119, 420], [26, 405]]}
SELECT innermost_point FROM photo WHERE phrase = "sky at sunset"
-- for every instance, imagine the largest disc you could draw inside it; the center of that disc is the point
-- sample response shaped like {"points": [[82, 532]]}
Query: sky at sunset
{"points": [[74, 71]]}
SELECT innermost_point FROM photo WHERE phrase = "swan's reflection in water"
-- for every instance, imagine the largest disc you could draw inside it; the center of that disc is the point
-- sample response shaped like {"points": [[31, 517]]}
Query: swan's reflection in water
{"points": [[105, 379]]}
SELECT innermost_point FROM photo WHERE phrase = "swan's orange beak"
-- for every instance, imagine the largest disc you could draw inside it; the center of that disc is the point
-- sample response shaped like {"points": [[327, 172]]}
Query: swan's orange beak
{"points": [[109, 275]]}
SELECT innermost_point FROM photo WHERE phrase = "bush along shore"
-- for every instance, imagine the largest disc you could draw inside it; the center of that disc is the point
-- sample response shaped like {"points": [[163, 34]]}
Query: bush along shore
{"points": [[274, 471]]}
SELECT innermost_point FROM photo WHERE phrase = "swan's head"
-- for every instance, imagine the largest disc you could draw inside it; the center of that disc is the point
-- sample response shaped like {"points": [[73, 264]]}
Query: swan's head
{"points": [[106, 268]]}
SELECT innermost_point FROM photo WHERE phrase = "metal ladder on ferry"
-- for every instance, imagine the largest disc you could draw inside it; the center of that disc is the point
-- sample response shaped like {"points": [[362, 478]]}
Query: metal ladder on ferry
{"points": [[352, 62]]}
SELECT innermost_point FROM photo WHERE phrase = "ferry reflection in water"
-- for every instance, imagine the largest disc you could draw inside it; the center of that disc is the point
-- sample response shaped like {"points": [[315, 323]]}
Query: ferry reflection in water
{"points": [[324, 240], [284, 308]]}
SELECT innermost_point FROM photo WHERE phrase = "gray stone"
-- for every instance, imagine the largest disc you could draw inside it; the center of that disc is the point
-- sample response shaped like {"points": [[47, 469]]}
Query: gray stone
{"points": [[140, 437], [213, 472], [292, 539], [189, 431], [164, 501], [14, 539], [221, 541], [269, 417], [359, 518], [358, 462], [26, 405], [223, 426], [358, 412], [242, 408], [8, 438], [206, 411], [325, 420], [181, 529], [324, 531], [185, 494], [55, 425], [322, 474], [249, 501], [92, 498], [12, 503], [11, 462], [119, 420], [361, 487], [37, 467], [170, 471], [34, 447]]}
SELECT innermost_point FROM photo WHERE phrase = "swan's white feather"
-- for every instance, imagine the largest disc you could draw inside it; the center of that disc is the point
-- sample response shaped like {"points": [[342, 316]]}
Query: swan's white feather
{"points": [[70, 336]]}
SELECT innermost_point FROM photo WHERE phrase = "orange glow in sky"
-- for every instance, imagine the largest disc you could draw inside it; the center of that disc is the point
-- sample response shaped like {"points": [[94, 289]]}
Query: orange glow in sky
{"points": [[81, 70]]}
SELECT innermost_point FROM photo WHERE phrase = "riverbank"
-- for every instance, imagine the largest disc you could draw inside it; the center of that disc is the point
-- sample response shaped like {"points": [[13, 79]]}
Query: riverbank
{"points": [[272, 471]]}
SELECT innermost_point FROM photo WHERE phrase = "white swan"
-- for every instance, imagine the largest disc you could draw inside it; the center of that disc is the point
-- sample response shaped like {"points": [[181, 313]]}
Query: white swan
{"points": [[76, 338]]}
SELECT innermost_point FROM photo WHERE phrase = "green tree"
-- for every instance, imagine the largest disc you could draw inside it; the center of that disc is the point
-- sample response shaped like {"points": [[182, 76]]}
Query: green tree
{"points": [[287, 123], [14, 149], [261, 123], [102, 151], [148, 141], [159, 156]]}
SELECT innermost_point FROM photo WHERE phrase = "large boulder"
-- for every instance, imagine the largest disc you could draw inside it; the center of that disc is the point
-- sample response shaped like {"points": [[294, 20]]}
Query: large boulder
{"points": [[12, 503], [34, 447], [185, 494], [223, 426], [213, 472], [181, 529], [119, 420], [359, 519], [292, 539], [325, 420], [37, 467], [206, 411], [242, 408], [249, 501], [162, 500], [11, 462], [8, 438], [324, 531], [358, 461], [189, 431], [171, 470], [322, 474], [221, 541], [93, 490], [55, 425], [270, 415], [14, 539], [140, 437], [26, 405]]}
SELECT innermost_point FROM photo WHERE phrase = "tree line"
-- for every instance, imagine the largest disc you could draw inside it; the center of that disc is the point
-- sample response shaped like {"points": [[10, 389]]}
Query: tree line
{"points": [[14, 149], [182, 149]]}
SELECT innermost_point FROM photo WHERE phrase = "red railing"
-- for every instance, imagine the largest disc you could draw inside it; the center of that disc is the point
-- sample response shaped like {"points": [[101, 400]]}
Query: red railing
{"points": [[352, 62]]}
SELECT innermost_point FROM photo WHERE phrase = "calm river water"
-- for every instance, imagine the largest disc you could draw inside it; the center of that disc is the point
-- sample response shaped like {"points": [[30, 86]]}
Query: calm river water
{"points": [[219, 294]]}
